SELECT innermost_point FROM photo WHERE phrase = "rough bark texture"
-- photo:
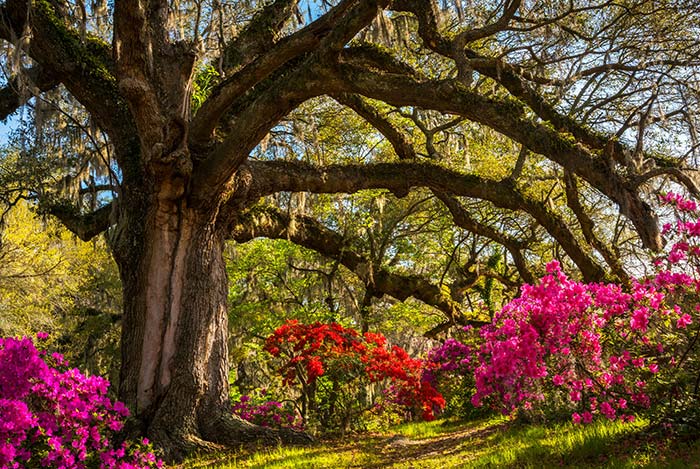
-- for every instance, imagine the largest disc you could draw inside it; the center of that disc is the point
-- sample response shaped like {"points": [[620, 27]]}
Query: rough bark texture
{"points": [[175, 331]]}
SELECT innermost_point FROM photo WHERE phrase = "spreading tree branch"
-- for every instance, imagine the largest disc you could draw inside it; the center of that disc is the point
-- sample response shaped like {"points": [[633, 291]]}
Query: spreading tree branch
{"points": [[259, 35], [16, 94], [398, 139], [405, 151], [348, 16], [82, 63], [269, 177], [464, 220], [271, 223], [508, 117], [85, 226], [264, 110], [586, 223]]}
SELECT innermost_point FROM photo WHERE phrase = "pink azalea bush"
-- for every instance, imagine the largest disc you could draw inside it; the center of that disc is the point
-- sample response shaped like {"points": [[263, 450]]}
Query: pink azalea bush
{"points": [[55, 417], [449, 368], [267, 413], [601, 349]]}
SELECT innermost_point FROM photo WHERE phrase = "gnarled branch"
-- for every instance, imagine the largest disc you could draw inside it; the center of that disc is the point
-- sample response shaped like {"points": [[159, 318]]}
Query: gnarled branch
{"points": [[271, 223], [12, 95], [508, 117], [270, 177], [85, 226]]}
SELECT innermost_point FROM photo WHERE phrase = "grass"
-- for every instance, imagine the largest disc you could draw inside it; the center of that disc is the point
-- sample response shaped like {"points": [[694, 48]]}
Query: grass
{"points": [[494, 442]]}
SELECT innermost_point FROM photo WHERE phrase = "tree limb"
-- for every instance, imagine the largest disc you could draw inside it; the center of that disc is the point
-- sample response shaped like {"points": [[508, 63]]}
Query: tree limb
{"points": [[508, 117], [259, 35], [271, 223], [269, 177], [405, 151], [83, 65], [574, 203], [85, 226], [302, 42], [12, 95], [398, 139], [463, 219]]}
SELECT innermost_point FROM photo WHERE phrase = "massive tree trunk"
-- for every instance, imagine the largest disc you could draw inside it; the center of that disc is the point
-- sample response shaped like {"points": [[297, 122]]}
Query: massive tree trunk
{"points": [[175, 363]]}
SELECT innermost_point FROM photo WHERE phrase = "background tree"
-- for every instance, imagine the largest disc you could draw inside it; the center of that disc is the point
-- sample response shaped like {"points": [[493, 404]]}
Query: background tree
{"points": [[171, 99], [49, 281]]}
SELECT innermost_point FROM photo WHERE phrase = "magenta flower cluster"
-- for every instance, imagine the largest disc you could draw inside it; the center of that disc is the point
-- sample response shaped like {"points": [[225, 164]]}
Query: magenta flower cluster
{"points": [[55, 417], [273, 414], [452, 357], [550, 340], [600, 349]]}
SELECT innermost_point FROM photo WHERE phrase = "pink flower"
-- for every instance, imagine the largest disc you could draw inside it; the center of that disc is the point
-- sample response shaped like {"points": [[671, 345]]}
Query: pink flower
{"points": [[684, 321], [640, 319]]}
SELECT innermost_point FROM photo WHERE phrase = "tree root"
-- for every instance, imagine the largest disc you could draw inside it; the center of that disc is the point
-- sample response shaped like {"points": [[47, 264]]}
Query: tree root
{"points": [[173, 447], [223, 433], [230, 430]]}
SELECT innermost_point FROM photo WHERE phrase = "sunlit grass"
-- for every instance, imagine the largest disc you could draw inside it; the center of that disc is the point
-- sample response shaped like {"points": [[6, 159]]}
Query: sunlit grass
{"points": [[491, 442], [422, 430], [355, 454], [559, 445]]}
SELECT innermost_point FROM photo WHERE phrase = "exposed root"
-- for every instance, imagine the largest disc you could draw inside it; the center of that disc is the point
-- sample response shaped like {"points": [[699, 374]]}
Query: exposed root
{"points": [[175, 446], [218, 434], [232, 431]]}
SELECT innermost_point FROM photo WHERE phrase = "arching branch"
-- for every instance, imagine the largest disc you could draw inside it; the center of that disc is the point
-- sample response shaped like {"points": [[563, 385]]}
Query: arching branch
{"points": [[508, 117], [271, 223], [82, 64], [398, 139], [298, 84], [464, 220], [339, 25], [84, 226], [405, 151], [15, 94], [259, 35], [574, 203], [270, 177]]}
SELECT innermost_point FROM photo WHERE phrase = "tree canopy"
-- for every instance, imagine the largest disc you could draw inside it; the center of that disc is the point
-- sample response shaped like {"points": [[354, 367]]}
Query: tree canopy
{"points": [[498, 133]]}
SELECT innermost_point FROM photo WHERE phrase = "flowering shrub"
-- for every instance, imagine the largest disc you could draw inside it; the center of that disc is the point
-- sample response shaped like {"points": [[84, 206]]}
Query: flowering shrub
{"points": [[54, 416], [268, 413], [449, 368], [452, 357], [334, 366], [599, 349]]}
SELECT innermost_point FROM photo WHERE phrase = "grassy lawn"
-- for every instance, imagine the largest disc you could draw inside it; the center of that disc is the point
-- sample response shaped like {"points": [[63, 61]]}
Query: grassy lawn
{"points": [[491, 442]]}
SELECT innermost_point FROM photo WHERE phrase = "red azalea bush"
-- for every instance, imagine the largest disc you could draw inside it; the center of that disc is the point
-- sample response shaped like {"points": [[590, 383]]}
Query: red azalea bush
{"points": [[55, 417], [335, 368], [600, 349]]}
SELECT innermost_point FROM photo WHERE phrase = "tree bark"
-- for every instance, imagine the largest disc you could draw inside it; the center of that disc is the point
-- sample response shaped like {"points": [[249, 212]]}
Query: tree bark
{"points": [[174, 339]]}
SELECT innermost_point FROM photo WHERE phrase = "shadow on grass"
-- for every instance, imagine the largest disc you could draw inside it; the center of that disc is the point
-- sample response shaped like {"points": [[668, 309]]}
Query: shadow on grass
{"points": [[602, 444], [485, 443]]}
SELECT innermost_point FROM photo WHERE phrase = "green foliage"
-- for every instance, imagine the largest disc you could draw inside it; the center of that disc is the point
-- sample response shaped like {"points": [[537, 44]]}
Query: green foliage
{"points": [[204, 81], [50, 281]]}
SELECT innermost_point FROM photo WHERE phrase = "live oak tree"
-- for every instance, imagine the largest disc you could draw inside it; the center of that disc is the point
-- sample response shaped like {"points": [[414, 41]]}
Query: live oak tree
{"points": [[584, 102]]}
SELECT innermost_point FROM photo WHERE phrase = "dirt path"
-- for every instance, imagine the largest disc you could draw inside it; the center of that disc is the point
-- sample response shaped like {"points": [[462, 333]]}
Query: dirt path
{"points": [[400, 449]]}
